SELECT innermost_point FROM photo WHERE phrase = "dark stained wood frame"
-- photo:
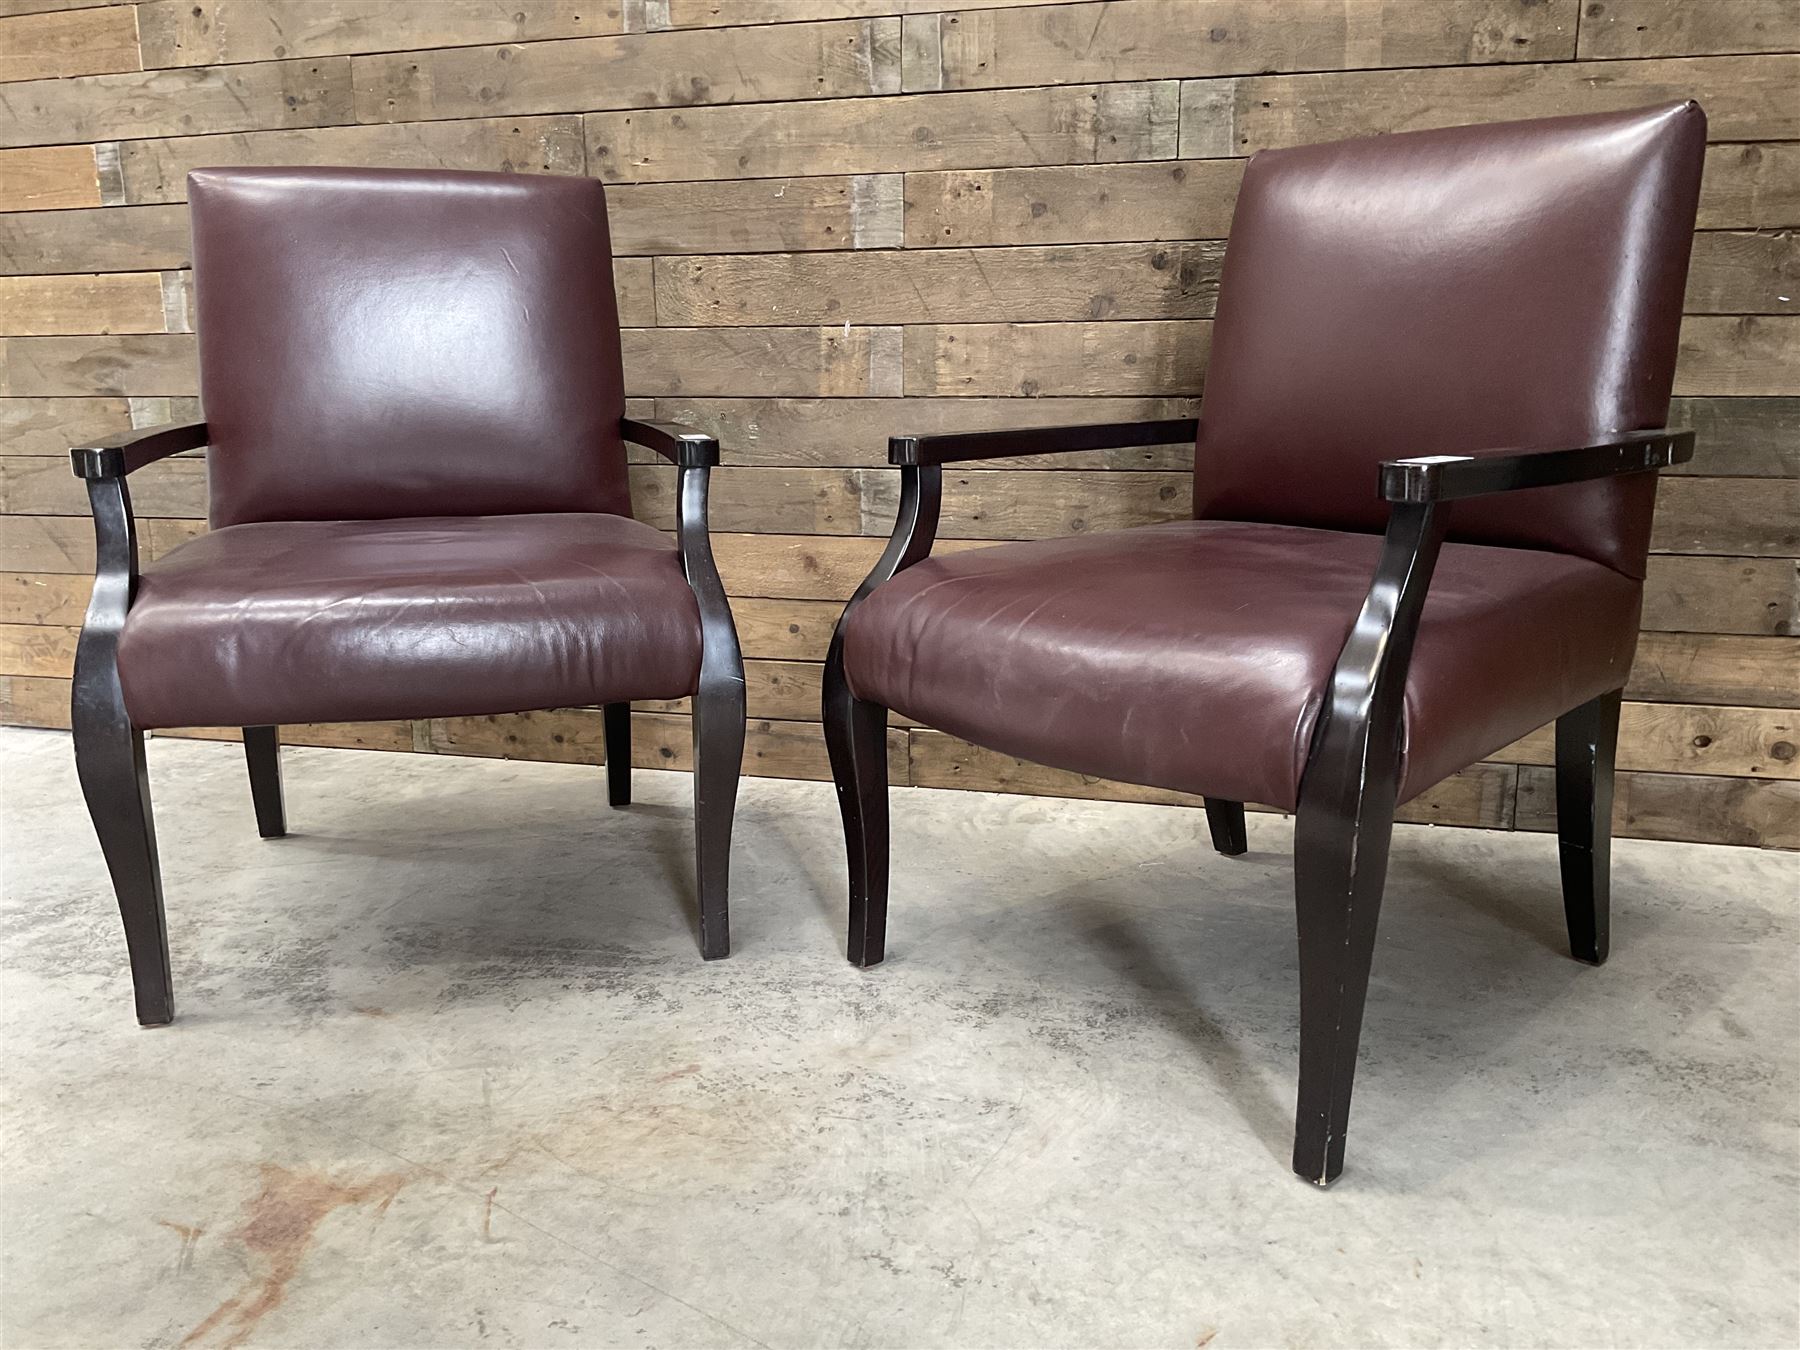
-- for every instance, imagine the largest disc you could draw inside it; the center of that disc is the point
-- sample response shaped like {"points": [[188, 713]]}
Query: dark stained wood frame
{"points": [[109, 750], [1348, 792]]}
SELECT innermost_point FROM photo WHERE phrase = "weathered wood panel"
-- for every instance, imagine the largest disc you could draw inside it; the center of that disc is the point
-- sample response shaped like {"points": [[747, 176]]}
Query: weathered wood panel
{"points": [[1722, 595], [1716, 668], [1741, 437], [1748, 355], [177, 102], [1690, 738], [758, 215], [49, 426], [117, 302], [216, 32], [1750, 187], [51, 178], [108, 239], [787, 362], [52, 44], [658, 70], [1617, 29], [1739, 272], [1024, 360], [988, 285], [1747, 811], [1747, 98], [1079, 124], [1159, 39], [156, 170]]}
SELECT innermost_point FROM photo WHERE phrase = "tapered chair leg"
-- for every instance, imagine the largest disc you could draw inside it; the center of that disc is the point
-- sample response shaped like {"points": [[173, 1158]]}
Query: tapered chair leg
{"points": [[856, 737], [1226, 821], [718, 760], [616, 719], [1340, 869], [1587, 741], [262, 752], [109, 759]]}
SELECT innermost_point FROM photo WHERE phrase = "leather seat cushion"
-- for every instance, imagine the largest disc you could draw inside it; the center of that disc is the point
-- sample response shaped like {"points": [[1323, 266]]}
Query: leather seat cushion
{"points": [[1195, 655], [363, 620]]}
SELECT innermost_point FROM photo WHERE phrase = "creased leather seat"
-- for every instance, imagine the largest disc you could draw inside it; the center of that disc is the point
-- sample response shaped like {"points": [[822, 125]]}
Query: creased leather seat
{"points": [[1195, 655], [361, 620]]}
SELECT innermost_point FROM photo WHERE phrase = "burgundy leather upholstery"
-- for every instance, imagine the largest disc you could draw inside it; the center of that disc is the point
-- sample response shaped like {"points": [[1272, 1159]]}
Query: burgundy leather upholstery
{"points": [[1194, 655], [1504, 286], [392, 343], [1435, 293], [413, 392], [354, 621]]}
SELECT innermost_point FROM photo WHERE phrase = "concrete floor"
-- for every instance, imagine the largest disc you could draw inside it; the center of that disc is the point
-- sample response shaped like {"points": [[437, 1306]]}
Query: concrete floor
{"points": [[448, 1069]]}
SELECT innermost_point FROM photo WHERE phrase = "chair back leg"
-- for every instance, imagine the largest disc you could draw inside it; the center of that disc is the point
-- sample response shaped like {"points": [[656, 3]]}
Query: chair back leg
{"points": [[1587, 742], [616, 721], [109, 760], [856, 737], [718, 760], [1225, 819], [262, 753]]}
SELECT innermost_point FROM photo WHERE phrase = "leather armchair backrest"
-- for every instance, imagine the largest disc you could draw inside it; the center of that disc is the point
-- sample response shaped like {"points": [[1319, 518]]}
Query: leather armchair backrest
{"points": [[378, 343], [1510, 286]]}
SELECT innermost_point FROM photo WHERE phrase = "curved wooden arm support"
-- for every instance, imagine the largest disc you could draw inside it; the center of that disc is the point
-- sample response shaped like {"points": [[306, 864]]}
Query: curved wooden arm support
{"points": [[119, 455], [953, 447], [682, 446]]}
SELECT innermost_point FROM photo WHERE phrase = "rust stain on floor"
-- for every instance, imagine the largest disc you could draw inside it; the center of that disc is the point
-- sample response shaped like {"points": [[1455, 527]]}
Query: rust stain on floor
{"points": [[283, 1219]]}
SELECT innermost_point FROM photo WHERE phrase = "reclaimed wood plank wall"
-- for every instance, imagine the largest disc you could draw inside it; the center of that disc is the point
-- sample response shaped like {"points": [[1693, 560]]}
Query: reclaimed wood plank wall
{"points": [[838, 219]]}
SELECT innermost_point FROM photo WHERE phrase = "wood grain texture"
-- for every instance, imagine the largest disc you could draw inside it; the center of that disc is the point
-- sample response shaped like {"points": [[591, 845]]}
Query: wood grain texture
{"points": [[217, 32], [840, 220], [55, 44]]}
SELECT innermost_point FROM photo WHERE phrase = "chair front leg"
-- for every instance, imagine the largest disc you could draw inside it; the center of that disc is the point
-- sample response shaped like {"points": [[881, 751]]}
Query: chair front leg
{"points": [[718, 707], [262, 753], [616, 720], [856, 738], [1225, 820], [109, 757], [1587, 742]]}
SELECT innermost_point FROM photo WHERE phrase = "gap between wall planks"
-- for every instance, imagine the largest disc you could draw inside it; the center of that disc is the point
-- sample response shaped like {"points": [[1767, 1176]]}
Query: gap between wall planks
{"points": [[838, 219]]}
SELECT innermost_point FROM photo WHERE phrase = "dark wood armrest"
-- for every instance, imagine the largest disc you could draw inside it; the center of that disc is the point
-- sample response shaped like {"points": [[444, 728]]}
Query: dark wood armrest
{"points": [[952, 447], [682, 446], [1443, 478], [117, 456]]}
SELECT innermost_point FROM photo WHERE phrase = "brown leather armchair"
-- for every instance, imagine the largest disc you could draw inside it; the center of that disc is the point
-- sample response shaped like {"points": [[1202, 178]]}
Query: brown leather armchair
{"points": [[416, 455], [1392, 310]]}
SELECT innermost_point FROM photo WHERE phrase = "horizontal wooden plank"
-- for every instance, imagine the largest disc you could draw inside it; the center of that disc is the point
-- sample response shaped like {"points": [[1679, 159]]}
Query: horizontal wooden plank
{"points": [[1747, 98], [1480, 795], [190, 102], [1159, 39], [104, 239], [55, 44], [1742, 272], [185, 33], [1740, 437], [46, 486], [638, 70], [1722, 595], [787, 362], [1076, 124], [772, 749], [44, 598], [389, 736], [758, 215], [156, 170], [1749, 517], [1751, 812], [49, 426], [66, 543], [111, 302], [34, 701], [1689, 738], [825, 433], [1750, 187], [1749, 355], [49, 178], [1616, 29], [32, 649], [1163, 357], [76, 366], [952, 285], [783, 630], [1762, 672], [1081, 204], [660, 14]]}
